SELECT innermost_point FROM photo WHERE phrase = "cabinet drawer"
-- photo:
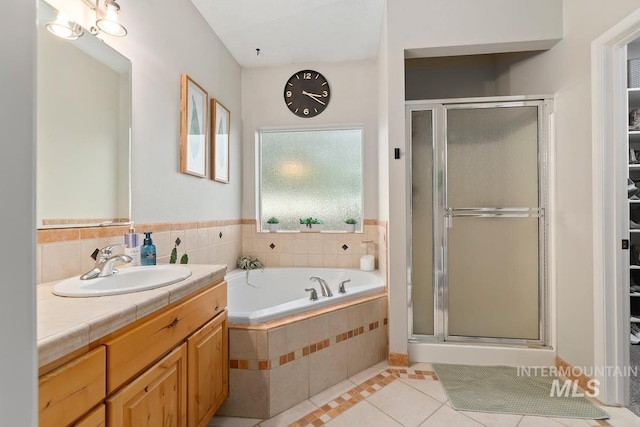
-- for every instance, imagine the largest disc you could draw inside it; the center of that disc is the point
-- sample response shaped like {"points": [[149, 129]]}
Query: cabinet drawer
{"points": [[72, 390], [131, 352]]}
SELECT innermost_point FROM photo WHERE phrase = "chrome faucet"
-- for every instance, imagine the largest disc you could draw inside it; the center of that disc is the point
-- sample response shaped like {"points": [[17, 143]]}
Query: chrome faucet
{"points": [[104, 263], [324, 287], [341, 289]]}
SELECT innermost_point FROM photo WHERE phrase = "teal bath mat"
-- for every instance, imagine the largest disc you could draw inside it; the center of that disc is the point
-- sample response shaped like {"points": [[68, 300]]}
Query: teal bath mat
{"points": [[506, 390]]}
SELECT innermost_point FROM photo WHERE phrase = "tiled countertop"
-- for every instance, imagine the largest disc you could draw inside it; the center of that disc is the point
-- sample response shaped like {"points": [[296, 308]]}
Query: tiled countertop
{"points": [[68, 324]]}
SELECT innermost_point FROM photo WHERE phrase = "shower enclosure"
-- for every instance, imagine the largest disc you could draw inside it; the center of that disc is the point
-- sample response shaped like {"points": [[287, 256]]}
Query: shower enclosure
{"points": [[477, 221]]}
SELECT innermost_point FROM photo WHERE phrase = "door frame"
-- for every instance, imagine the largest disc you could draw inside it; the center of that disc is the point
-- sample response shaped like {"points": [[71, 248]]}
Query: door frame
{"points": [[610, 168], [545, 118]]}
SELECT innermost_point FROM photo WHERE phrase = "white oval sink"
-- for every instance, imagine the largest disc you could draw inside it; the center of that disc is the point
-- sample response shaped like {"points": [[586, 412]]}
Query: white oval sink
{"points": [[127, 280]]}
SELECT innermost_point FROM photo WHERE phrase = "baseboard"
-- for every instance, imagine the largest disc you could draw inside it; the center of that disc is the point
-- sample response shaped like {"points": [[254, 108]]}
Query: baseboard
{"points": [[474, 354], [398, 359], [576, 375]]}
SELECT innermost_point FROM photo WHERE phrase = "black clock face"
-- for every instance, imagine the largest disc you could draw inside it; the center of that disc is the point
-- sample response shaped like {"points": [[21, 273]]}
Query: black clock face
{"points": [[307, 93]]}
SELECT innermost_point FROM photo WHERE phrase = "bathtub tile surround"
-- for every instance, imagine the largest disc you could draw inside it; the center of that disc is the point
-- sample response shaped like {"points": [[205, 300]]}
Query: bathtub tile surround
{"points": [[64, 252], [326, 249], [302, 358]]}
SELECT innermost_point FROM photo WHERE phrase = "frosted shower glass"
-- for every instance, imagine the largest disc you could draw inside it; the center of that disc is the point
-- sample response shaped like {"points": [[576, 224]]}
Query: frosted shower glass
{"points": [[493, 267], [493, 278], [422, 221], [311, 174], [492, 157]]}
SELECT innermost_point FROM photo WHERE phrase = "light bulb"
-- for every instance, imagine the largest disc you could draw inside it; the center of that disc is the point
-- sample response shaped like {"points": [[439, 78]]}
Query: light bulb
{"points": [[64, 28]]}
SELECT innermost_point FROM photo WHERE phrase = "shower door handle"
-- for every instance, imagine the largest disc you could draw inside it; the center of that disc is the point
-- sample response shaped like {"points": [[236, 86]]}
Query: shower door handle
{"points": [[495, 212]]}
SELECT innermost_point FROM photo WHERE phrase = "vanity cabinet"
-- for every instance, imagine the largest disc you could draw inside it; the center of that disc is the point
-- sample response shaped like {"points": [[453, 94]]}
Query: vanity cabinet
{"points": [[70, 391], [158, 397], [169, 368], [95, 418], [208, 373]]}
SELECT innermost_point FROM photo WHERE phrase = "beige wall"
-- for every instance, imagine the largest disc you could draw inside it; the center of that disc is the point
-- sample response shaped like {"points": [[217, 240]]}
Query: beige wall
{"points": [[353, 102], [160, 54], [565, 71], [435, 28]]}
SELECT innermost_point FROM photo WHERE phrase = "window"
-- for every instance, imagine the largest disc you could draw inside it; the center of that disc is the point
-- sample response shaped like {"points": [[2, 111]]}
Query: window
{"points": [[311, 173]]}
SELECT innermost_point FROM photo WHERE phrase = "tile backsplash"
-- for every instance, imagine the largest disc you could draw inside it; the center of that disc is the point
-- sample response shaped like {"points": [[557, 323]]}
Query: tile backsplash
{"points": [[66, 252]]}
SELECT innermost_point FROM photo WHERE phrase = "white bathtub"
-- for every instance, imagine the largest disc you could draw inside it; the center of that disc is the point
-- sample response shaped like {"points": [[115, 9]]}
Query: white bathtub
{"points": [[279, 292]]}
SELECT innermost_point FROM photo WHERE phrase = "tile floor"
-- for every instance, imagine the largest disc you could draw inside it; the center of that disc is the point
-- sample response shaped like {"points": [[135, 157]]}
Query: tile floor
{"points": [[384, 396]]}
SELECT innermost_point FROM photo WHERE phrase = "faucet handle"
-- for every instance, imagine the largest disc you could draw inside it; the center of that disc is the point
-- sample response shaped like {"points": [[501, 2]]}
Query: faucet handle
{"points": [[314, 294], [341, 289], [107, 250]]}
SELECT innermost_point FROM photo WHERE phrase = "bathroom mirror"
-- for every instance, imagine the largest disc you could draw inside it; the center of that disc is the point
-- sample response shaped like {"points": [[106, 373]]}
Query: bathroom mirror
{"points": [[83, 126]]}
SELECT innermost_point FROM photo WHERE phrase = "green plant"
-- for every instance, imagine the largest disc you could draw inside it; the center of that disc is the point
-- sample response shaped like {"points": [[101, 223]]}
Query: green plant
{"points": [[310, 221], [174, 254], [350, 221], [249, 263], [273, 220]]}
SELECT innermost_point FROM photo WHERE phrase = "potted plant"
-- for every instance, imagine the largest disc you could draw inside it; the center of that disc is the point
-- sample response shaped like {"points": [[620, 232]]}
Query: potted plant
{"points": [[351, 225], [273, 224], [311, 225]]}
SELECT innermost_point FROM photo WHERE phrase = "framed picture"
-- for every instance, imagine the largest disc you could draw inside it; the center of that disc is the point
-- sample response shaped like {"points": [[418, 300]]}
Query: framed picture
{"points": [[193, 128], [220, 131]]}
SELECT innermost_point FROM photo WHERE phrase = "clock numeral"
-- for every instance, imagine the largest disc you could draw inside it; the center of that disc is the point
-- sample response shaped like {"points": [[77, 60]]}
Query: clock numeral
{"points": [[305, 111], [289, 94], [306, 76], [325, 93]]}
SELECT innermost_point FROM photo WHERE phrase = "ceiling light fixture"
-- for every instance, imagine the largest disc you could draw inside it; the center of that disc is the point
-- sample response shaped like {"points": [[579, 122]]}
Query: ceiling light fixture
{"points": [[109, 24], [64, 28]]}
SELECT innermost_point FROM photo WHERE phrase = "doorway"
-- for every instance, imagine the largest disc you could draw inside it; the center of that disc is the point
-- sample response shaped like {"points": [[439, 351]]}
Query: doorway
{"points": [[477, 219]]}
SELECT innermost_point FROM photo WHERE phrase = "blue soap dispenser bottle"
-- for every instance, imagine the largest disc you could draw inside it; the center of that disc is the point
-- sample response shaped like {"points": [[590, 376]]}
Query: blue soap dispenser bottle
{"points": [[148, 251]]}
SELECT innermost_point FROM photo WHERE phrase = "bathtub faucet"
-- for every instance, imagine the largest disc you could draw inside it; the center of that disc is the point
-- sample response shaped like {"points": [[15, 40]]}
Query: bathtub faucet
{"points": [[326, 292]]}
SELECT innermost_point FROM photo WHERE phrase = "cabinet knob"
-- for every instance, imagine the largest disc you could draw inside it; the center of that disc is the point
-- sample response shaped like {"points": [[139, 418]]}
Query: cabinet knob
{"points": [[173, 323]]}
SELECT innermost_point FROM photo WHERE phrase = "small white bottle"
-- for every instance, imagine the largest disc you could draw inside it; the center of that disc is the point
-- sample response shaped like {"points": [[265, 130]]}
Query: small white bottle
{"points": [[368, 261], [132, 246]]}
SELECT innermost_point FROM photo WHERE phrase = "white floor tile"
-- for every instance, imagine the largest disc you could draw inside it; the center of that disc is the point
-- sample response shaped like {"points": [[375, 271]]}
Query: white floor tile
{"points": [[366, 374], [445, 416], [494, 420], [331, 393], [290, 415], [421, 366], [362, 414], [573, 422], [404, 403], [531, 421], [432, 388], [233, 422], [621, 417]]}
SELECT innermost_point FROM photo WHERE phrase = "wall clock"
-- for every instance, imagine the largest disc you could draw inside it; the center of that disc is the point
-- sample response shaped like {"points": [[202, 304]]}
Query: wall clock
{"points": [[307, 93]]}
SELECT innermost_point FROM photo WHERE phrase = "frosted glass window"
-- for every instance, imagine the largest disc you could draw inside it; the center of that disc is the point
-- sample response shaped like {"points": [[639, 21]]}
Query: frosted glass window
{"points": [[311, 173]]}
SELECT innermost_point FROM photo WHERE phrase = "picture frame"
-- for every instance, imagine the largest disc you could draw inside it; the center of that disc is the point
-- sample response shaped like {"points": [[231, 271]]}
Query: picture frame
{"points": [[220, 141], [194, 102]]}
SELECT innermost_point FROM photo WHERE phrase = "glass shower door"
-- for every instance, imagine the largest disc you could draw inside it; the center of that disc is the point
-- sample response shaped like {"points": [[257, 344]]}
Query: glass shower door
{"points": [[494, 222]]}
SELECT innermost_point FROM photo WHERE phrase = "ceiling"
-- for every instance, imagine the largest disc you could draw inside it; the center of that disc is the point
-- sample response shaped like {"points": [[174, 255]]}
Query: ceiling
{"points": [[295, 31]]}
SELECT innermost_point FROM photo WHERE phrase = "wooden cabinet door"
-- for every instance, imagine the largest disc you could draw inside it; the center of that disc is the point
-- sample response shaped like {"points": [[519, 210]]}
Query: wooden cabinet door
{"points": [[208, 370], [95, 418], [157, 398]]}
